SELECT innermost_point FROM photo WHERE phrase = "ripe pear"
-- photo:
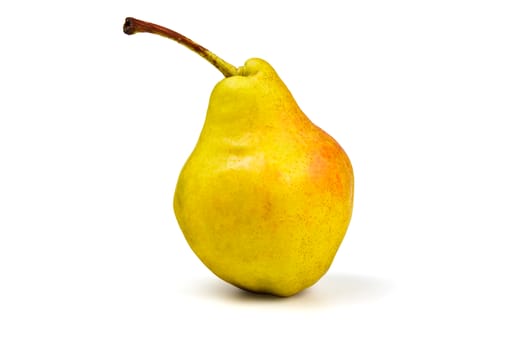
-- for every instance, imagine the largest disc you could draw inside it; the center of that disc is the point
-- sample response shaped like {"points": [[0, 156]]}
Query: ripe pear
{"points": [[266, 196]]}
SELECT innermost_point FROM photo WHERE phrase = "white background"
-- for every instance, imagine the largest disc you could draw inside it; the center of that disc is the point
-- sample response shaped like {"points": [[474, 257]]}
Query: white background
{"points": [[427, 98]]}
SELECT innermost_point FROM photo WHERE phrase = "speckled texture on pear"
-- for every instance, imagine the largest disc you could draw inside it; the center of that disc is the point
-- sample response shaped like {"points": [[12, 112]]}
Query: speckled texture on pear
{"points": [[266, 196]]}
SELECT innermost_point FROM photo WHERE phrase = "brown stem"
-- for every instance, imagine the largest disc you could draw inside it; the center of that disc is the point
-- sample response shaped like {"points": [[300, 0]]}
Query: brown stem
{"points": [[133, 25]]}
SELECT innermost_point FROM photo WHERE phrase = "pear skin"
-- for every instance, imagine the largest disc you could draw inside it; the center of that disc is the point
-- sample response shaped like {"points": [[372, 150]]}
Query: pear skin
{"points": [[266, 196]]}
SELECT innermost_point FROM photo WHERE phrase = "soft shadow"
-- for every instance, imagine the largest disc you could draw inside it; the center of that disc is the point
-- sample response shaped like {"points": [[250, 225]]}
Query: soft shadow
{"points": [[331, 290], [219, 290]]}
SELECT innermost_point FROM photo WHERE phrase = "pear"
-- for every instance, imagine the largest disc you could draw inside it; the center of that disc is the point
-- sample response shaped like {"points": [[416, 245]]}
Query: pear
{"points": [[266, 196]]}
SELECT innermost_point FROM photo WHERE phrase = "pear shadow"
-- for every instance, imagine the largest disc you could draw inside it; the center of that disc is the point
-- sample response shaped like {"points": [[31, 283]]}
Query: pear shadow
{"points": [[223, 291], [332, 290]]}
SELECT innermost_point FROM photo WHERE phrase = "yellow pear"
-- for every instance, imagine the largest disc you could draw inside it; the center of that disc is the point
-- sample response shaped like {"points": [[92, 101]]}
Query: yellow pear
{"points": [[266, 196]]}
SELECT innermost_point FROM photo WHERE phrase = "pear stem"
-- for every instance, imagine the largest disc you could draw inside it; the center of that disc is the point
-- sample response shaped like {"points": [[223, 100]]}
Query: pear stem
{"points": [[133, 25]]}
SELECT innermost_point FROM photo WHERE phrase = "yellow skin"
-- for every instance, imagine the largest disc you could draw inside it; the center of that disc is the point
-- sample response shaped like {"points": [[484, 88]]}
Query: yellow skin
{"points": [[266, 196]]}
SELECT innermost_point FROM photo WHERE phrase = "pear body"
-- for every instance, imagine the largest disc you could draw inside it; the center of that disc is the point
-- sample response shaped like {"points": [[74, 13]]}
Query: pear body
{"points": [[266, 196]]}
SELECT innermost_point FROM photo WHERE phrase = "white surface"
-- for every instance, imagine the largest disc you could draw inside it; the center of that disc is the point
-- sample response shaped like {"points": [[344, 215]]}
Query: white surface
{"points": [[428, 99]]}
